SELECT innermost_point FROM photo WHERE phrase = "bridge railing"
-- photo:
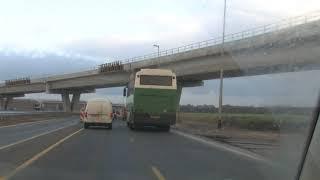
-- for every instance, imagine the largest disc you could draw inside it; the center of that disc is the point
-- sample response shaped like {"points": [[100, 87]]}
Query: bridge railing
{"points": [[281, 25]]}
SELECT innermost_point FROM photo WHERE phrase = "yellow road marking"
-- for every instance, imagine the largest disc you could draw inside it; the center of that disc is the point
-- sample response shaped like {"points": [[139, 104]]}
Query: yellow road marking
{"points": [[27, 139], [37, 156], [157, 173], [2, 178]]}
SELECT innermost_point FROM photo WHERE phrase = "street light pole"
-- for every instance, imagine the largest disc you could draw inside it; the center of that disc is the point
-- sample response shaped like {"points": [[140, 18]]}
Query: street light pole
{"points": [[220, 99], [157, 46], [224, 24], [221, 70]]}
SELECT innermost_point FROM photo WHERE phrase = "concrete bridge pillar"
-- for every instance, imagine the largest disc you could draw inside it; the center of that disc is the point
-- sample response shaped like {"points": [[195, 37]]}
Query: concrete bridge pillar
{"points": [[66, 102], [73, 104], [1, 103], [6, 100], [75, 101]]}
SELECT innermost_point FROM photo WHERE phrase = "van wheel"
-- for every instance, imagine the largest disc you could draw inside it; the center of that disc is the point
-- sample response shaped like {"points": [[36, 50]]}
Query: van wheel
{"points": [[85, 125]]}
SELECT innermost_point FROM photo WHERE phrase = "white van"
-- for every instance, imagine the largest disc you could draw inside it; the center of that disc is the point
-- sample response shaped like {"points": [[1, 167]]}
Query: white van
{"points": [[98, 112]]}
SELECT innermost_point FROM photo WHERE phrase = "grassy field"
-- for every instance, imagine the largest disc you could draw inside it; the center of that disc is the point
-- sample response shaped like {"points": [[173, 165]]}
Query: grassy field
{"points": [[247, 121]]}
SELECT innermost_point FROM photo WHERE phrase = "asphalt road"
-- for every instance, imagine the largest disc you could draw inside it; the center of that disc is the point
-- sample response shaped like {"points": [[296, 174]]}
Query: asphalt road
{"points": [[61, 149], [23, 112]]}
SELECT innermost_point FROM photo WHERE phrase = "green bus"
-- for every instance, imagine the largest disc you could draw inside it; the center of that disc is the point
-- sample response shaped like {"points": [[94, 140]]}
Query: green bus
{"points": [[151, 99]]}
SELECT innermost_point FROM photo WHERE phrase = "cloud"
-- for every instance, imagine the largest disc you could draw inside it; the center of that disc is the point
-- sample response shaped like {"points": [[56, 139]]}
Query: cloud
{"points": [[155, 29], [34, 64]]}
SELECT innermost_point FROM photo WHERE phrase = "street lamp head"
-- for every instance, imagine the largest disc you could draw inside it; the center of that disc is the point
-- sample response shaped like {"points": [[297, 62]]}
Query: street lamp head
{"points": [[155, 45]]}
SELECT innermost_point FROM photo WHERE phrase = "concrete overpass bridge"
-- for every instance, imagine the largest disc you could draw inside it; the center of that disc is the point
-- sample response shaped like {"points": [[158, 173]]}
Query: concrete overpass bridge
{"points": [[287, 46]]}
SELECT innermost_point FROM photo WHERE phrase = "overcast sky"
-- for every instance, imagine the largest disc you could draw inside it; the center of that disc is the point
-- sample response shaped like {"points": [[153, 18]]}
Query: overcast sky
{"points": [[39, 37]]}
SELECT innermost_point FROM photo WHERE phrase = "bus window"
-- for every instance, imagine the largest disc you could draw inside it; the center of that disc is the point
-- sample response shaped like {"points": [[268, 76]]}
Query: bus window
{"points": [[156, 80]]}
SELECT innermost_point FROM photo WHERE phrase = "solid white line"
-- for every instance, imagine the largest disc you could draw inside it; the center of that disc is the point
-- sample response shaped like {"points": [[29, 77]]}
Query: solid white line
{"points": [[33, 122], [39, 155], [225, 147], [30, 138]]}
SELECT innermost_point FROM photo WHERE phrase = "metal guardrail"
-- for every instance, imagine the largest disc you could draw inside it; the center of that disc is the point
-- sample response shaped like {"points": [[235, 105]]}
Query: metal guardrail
{"points": [[111, 67], [19, 81]]}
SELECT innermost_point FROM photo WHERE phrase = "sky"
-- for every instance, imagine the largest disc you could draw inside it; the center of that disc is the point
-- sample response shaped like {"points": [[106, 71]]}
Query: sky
{"points": [[43, 37]]}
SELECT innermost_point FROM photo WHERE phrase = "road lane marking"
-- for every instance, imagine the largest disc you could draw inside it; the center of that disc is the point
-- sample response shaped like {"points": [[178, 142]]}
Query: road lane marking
{"points": [[132, 139], [26, 123], [30, 138], [225, 147], [39, 155], [157, 173]]}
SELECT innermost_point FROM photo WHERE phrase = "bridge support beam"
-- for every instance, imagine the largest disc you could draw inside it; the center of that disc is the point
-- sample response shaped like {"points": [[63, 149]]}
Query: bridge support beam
{"points": [[2, 103], [75, 101], [5, 100], [70, 105], [66, 102]]}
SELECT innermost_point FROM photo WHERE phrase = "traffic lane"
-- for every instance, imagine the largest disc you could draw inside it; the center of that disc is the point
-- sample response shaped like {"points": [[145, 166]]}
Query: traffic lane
{"points": [[15, 155], [124, 154], [181, 158], [18, 132], [92, 154]]}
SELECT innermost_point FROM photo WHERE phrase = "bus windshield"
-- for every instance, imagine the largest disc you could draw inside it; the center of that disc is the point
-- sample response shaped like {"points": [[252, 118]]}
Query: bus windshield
{"points": [[156, 80]]}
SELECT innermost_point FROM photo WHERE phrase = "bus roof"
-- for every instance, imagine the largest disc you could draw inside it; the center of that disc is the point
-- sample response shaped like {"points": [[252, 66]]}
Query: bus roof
{"points": [[159, 72]]}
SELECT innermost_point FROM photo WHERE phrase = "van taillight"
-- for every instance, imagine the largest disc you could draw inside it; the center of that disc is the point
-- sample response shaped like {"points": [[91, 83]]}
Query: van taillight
{"points": [[86, 114], [111, 115]]}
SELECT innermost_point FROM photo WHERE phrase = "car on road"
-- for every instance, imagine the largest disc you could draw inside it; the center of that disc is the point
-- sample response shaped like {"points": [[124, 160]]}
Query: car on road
{"points": [[98, 112]]}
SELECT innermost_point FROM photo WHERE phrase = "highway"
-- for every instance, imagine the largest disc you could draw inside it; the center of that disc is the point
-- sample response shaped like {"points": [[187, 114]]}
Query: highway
{"points": [[62, 149]]}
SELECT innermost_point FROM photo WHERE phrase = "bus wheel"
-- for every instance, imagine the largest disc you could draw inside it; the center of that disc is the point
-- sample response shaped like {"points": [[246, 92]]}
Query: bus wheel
{"points": [[110, 126]]}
